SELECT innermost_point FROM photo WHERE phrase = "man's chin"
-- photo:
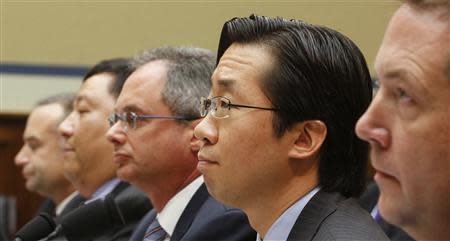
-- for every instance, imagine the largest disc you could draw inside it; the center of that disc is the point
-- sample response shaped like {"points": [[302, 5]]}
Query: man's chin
{"points": [[71, 175], [124, 173], [30, 186]]}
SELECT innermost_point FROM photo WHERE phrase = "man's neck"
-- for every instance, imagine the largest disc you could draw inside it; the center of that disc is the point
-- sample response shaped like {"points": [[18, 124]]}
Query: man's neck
{"points": [[88, 187], [161, 194], [61, 194], [263, 213], [431, 231]]}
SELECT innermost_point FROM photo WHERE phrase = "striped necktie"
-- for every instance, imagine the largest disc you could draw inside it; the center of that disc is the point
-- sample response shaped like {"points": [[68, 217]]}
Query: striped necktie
{"points": [[155, 232]]}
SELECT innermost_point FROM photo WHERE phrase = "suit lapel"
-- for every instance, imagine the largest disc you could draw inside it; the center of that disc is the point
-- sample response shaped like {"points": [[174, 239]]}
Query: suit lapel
{"points": [[73, 204], [119, 188], [189, 213], [315, 212], [47, 206]]}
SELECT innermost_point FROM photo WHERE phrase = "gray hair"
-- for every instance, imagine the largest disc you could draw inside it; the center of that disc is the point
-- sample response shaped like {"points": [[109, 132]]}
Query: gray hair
{"points": [[188, 76], [63, 99], [442, 6], [429, 2]]}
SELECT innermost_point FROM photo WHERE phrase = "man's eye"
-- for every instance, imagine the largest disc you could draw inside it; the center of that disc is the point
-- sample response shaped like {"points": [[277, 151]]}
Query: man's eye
{"points": [[82, 111], [402, 95], [223, 104], [33, 146], [129, 117]]}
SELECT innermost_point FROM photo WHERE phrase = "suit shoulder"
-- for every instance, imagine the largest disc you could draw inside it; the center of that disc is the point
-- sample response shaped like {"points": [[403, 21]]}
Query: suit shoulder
{"points": [[349, 222], [216, 221]]}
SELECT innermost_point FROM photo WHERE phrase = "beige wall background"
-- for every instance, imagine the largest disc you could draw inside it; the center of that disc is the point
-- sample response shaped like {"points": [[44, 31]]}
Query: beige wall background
{"points": [[53, 32]]}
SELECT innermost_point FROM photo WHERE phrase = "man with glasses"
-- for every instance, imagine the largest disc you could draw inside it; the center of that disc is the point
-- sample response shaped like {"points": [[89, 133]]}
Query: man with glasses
{"points": [[407, 124], [152, 131], [277, 138], [88, 154]]}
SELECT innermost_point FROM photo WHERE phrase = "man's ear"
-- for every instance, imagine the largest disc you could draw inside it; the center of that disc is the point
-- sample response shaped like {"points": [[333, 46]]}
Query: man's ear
{"points": [[310, 137]]}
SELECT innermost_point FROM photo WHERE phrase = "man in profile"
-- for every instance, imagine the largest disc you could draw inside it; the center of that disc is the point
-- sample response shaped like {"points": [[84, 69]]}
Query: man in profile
{"points": [[152, 131], [88, 160], [407, 124], [278, 135], [42, 158]]}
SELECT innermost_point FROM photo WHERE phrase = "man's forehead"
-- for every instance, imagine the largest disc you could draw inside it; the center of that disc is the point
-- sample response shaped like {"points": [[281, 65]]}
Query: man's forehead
{"points": [[240, 56], [42, 120], [408, 38], [96, 84], [241, 65], [42, 115], [140, 92]]}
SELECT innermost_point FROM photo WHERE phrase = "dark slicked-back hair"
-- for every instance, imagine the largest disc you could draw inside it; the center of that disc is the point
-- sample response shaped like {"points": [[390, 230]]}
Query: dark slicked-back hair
{"points": [[318, 74], [119, 67], [63, 99], [189, 71]]}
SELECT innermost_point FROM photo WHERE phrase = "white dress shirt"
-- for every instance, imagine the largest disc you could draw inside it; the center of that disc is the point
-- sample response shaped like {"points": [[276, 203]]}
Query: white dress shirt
{"points": [[64, 203], [171, 213]]}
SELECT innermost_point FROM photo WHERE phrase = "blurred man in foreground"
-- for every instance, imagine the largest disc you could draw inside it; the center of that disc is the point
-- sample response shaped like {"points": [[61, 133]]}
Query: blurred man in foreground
{"points": [[407, 123]]}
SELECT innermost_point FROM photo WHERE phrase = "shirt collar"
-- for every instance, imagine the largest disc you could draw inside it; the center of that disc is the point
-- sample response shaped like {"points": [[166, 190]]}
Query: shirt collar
{"points": [[104, 190], [170, 214], [281, 228], [63, 204]]}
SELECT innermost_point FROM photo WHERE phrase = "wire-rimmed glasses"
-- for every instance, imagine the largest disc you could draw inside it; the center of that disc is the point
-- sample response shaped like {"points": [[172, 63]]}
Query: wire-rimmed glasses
{"points": [[220, 106], [130, 119]]}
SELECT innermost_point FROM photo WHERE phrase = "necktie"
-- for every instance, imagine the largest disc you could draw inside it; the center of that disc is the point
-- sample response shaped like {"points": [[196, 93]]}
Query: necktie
{"points": [[155, 232], [378, 217]]}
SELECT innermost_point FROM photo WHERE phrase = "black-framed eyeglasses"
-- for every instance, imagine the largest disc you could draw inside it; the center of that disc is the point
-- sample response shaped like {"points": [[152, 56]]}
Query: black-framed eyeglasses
{"points": [[130, 119], [220, 106]]}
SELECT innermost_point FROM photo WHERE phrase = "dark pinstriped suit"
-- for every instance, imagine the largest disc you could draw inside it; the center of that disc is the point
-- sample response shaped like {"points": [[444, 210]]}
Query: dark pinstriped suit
{"points": [[123, 191], [330, 216]]}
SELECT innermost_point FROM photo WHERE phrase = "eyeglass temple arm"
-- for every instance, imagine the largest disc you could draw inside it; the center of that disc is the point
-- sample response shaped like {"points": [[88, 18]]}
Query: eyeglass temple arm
{"points": [[254, 107], [167, 117]]}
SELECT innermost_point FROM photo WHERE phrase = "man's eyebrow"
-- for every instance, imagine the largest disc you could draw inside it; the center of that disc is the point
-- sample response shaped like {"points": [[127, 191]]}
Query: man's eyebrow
{"points": [[400, 75], [403, 76], [80, 98], [132, 108], [226, 85], [31, 138], [395, 74]]}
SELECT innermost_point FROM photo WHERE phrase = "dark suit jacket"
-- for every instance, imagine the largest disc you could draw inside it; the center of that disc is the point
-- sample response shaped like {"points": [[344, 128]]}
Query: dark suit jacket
{"points": [[330, 216], [48, 207], [204, 219], [123, 192], [73, 204], [368, 201]]}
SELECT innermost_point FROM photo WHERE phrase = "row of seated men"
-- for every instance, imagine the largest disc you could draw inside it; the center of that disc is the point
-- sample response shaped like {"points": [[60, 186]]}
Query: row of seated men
{"points": [[256, 143]]}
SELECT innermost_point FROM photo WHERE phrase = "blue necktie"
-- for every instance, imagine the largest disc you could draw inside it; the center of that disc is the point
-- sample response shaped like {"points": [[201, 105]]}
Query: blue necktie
{"points": [[155, 232], [377, 217]]}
